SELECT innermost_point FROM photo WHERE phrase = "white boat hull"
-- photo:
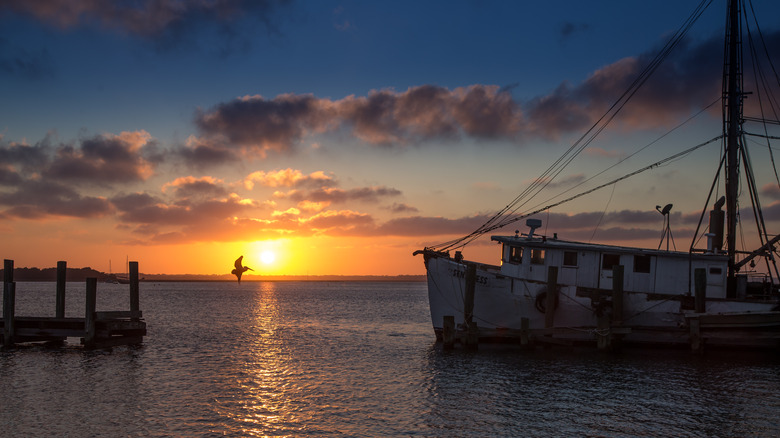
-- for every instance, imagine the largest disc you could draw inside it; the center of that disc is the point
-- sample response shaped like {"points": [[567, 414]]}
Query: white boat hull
{"points": [[502, 303]]}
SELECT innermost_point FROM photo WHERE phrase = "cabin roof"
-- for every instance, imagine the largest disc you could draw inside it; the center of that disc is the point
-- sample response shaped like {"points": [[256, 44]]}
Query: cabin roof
{"points": [[554, 243]]}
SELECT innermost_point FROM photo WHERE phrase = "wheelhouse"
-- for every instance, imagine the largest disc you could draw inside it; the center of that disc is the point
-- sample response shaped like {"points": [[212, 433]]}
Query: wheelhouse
{"points": [[590, 266]]}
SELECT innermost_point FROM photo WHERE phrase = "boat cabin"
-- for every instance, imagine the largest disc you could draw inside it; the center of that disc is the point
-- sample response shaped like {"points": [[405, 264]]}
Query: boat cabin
{"points": [[590, 266]]}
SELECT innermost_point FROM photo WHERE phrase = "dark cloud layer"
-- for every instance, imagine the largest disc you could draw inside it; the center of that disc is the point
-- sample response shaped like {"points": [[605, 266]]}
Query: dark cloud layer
{"points": [[688, 80], [142, 17], [39, 199], [46, 179], [223, 27]]}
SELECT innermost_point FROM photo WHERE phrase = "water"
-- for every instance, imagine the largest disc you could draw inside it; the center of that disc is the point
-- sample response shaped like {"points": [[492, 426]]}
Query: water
{"points": [[356, 359]]}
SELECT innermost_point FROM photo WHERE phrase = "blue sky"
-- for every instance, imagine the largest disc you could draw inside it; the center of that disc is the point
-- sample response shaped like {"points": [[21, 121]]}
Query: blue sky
{"points": [[154, 124]]}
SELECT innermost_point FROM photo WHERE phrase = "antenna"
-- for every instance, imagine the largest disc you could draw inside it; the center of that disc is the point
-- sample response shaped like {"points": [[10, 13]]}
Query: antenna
{"points": [[667, 232]]}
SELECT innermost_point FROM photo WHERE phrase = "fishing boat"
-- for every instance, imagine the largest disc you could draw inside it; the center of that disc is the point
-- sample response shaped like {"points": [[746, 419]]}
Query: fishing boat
{"points": [[547, 289]]}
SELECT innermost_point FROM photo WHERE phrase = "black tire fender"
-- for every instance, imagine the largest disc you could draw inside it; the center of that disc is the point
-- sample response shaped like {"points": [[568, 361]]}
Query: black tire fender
{"points": [[541, 301]]}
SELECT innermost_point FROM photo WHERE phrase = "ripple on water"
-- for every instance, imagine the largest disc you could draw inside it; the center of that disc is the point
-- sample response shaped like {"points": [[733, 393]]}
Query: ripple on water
{"points": [[358, 359]]}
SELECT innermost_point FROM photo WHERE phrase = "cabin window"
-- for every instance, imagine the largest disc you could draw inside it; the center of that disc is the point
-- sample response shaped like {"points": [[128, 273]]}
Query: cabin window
{"points": [[570, 258], [537, 256], [642, 264], [608, 261], [716, 271], [516, 254]]}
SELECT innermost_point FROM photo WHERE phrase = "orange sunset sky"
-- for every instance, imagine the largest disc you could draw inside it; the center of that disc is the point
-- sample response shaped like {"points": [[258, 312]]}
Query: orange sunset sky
{"points": [[337, 137]]}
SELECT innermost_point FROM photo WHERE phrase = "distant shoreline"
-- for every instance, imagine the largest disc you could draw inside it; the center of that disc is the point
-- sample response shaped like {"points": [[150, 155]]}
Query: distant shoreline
{"points": [[80, 274], [284, 278]]}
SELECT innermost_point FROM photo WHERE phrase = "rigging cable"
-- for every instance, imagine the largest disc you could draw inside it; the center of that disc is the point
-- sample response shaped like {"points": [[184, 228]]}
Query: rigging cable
{"points": [[585, 140], [587, 192]]}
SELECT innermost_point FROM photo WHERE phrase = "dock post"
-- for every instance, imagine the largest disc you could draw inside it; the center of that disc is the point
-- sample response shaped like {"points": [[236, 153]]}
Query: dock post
{"points": [[617, 306], [472, 335], [9, 302], [89, 313], [448, 331], [603, 332], [695, 327], [524, 338], [471, 285], [62, 269], [9, 308], [135, 305], [617, 295], [8, 271], [700, 279], [472, 332], [552, 296]]}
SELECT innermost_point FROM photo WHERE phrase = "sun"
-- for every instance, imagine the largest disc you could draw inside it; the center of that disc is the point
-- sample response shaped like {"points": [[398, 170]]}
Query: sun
{"points": [[267, 257]]}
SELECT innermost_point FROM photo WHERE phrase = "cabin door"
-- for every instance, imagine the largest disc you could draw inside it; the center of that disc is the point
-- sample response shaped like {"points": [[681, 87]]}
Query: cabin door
{"points": [[608, 261]]}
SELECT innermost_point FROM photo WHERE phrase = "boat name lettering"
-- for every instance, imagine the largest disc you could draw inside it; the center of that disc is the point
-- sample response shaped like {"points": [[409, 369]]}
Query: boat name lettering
{"points": [[457, 273]]}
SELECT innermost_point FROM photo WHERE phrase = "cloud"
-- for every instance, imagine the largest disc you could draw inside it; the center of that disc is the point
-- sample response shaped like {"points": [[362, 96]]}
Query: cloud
{"points": [[288, 178], [142, 208], [190, 187], [169, 23], [566, 181], [568, 29], [430, 226], [205, 152], [41, 180], [28, 158], [253, 126], [313, 207], [402, 208], [9, 176], [600, 152], [342, 220], [103, 159], [431, 112], [40, 199], [258, 125], [336, 195], [771, 190]]}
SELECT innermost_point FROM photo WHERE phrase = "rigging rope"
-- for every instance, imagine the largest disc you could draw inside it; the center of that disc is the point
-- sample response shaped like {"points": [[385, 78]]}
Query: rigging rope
{"points": [[504, 216], [587, 192]]}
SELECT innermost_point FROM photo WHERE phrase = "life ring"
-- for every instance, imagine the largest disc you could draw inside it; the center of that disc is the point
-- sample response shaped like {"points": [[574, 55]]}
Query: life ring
{"points": [[541, 301]]}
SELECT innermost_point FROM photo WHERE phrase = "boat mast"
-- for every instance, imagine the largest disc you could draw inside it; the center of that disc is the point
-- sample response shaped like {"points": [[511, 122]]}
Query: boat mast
{"points": [[733, 128]]}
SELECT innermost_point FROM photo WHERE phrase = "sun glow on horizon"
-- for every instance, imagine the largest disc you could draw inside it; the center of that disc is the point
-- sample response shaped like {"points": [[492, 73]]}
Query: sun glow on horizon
{"points": [[267, 257]]}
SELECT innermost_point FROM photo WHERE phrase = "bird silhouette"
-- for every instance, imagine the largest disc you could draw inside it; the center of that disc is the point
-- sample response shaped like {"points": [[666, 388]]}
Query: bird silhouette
{"points": [[240, 269]]}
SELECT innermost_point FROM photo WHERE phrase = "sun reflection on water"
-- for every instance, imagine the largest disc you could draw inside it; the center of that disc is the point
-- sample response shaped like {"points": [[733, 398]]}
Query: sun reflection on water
{"points": [[264, 396]]}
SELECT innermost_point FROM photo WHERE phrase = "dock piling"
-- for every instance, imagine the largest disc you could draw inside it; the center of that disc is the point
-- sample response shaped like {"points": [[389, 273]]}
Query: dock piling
{"points": [[552, 296], [524, 338], [700, 279], [62, 270], [472, 335], [134, 300], [89, 313], [9, 308], [448, 331], [96, 329], [9, 302]]}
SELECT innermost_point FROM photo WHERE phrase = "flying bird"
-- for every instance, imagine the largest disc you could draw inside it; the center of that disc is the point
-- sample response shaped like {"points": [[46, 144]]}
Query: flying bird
{"points": [[240, 269]]}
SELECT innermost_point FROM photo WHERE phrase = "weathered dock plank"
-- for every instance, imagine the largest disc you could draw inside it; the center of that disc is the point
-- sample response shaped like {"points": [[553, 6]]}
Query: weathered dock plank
{"points": [[96, 329]]}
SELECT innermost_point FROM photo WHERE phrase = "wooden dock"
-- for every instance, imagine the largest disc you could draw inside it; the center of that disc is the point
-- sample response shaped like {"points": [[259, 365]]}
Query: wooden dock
{"points": [[96, 329]]}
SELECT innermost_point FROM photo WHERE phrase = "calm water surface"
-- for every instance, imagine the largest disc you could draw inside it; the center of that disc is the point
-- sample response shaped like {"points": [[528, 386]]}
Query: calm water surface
{"points": [[356, 359]]}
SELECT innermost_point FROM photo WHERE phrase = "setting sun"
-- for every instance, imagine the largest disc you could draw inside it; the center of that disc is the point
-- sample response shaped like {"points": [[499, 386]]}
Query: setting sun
{"points": [[267, 257]]}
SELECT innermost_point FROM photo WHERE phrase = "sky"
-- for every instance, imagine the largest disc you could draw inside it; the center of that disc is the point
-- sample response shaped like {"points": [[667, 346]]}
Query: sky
{"points": [[338, 137]]}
